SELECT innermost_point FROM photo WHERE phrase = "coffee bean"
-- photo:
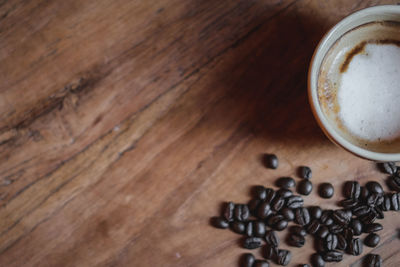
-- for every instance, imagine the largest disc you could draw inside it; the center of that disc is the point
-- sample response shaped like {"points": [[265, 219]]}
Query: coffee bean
{"points": [[260, 192], [241, 212], [317, 260], [313, 227], [326, 190], [372, 240], [356, 226], [247, 260], [238, 227], [277, 222], [284, 257], [296, 240], [331, 241], [252, 242], [270, 194], [319, 245], [295, 229], [378, 211], [249, 228], [315, 212], [388, 167], [341, 242], [228, 211], [360, 210], [294, 202], [374, 227], [271, 161], [374, 199], [395, 201], [368, 218], [394, 183], [352, 189], [245, 212], [305, 172], [386, 204], [374, 187], [270, 252], [261, 263], [302, 216], [348, 203], [373, 260], [263, 210], [304, 187], [277, 203], [333, 256], [304, 265], [335, 228], [355, 247], [323, 231], [326, 217], [286, 182], [259, 228], [285, 193], [220, 222], [348, 233], [288, 214], [281, 225], [364, 193], [272, 238], [341, 217]]}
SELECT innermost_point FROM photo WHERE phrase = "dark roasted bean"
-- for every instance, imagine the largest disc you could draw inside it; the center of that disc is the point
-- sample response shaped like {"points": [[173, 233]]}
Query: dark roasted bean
{"points": [[341, 217], [252, 242], [368, 218], [374, 227], [341, 242], [386, 204], [333, 256], [356, 226], [302, 216], [317, 260], [270, 194], [238, 227], [295, 229], [352, 189], [315, 212], [272, 238], [263, 210], [326, 217], [355, 247], [305, 172], [373, 260], [331, 241], [245, 212], [323, 231], [270, 252], [388, 167], [260, 192], [247, 260], [364, 193], [296, 240], [395, 201], [304, 265], [286, 182], [326, 190], [379, 213], [360, 210], [372, 240], [277, 222], [249, 229], [304, 187], [241, 212], [284, 257], [375, 199], [348, 203], [253, 206], [277, 203], [261, 263], [220, 222], [394, 183], [287, 213], [347, 233], [335, 228], [259, 228], [228, 211], [285, 193], [294, 202], [313, 227], [281, 225], [319, 245], [271, 161], [374, 187]]}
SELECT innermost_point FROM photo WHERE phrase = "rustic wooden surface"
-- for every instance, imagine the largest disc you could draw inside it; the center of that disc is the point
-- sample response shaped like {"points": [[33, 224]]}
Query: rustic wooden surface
{"points": [[125, 124]]}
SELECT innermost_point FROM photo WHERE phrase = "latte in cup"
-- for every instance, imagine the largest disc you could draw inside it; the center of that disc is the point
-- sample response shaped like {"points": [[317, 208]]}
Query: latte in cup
{"points": [[359, 86]]}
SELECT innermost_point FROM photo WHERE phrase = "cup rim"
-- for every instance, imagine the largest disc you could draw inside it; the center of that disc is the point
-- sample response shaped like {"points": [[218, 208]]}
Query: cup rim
{"points": [[312, 87]]}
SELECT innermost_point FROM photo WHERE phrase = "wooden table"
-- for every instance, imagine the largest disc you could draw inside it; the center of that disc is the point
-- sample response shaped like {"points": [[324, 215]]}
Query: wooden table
{"points": [[125, 124]]}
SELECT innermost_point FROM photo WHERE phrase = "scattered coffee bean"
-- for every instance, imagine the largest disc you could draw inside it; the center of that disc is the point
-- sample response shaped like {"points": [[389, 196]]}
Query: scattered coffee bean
{"points": [[348, 203], [326, 217], [220, 222], [386, 204], [260, 192], [331, 241], [261, 263], [286, 182], [296, 240], [271, 161], [305, 172], [263, 210], [335, 228], [317, 260], [326, 190], [352, 189], [277, 203], [302, 216], [228, 211], [360, 210], [379, 213], [372, 240], [368, 218], [356, 226], [241, 212], [348, 233], [394, 182], [259, 228], [374, 199], [238, 227], [294, 202], [315, 212], [272, 238], [285, 193], [374, 187], [249, 229], [288, 214], [270, 252], [388, 167], [395, 201], [295, 229], [252, 242], [304, 187], [247, 260], [333, 256], [355, 246], [313, 226], [284, 257], [364, 193], [304, 265], [323, 231], [341, 217], [277, 222], [270, 195], [341, 242], [374, 227], [373, 260]]}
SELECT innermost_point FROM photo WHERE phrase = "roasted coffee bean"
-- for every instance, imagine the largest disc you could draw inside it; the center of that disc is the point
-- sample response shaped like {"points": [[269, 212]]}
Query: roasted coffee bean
{"points": [[360, 210], [295, 229], [335, 228], [326, 190], [296, 240], [260, 192], [352, 189], [374, 199], [304, 187], [313, 227], [261, 263], [323, 231], [249, 228], [263, 210], [277, 222], [374, 227], [355, 247], [356, 226], [271, 161], [284, 257], [220, 222], [252, 242], [388, 167], [270, 195], [326, 217], [317, 260], [333, 256], [386, 204], [379, 213], [281, 225], [394, 183], [286, 182], [348, 203], [304, 265], [372, 240], [247, 260], [238, 227], [259, 228], [228, 211], [368, 218], [395, 201], [253, 206], [341, 217], [374, 187], [305, 172], [364, 192], [272, 238], [319, 245], [373, 260], [341, 242], [287, 213], [302, 216], [245, 212], [348, 233], [277, 203], [270, 252], [315, 212], [294, 202], [241, 212], [285, 193], [331, 241]]}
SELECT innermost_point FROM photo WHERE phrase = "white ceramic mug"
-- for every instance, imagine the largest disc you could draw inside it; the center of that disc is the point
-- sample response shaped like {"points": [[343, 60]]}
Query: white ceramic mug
{"points": [[372, 14]]}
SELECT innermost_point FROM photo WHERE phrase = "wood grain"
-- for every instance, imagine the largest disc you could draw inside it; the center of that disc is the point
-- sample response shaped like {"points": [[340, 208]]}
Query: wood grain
{"points": [[125, 124]]}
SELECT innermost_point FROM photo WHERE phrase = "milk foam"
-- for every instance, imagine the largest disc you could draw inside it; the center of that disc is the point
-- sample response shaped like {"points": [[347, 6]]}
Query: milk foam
{"points": [[369, 93]]}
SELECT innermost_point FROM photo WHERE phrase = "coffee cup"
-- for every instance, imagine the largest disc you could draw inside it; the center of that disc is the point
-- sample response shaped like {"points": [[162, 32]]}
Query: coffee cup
{"points": [[354, 83]]}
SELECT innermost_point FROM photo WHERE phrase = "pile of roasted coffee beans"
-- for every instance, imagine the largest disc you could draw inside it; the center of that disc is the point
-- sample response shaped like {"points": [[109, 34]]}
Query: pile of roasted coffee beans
{"points": [[335, 232]]}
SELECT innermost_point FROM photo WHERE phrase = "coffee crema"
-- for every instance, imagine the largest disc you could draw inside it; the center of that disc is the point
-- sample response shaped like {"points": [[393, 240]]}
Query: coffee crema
{"points": [[359, 86]]}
